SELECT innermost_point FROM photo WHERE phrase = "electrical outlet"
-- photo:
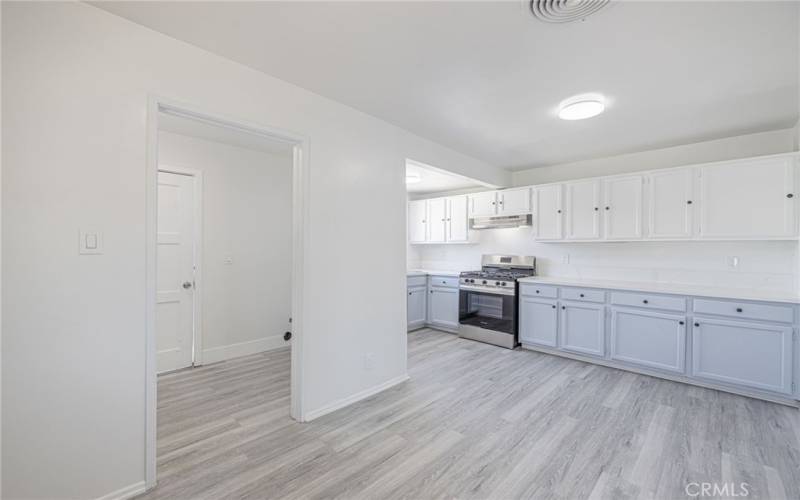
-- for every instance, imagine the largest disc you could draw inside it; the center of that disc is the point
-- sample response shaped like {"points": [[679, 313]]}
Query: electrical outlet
{"points": [[369, 361], [565, 258], [733, 262], [228, 260]]}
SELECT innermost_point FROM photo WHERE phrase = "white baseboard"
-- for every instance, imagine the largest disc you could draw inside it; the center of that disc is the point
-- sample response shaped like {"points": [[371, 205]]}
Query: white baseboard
{"points": [[341, 403], [126, 492], [214, 354]]}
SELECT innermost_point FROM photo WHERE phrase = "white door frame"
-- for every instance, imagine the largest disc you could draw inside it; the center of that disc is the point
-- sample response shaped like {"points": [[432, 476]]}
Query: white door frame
{"points": [[197, 256], [300, 227]]}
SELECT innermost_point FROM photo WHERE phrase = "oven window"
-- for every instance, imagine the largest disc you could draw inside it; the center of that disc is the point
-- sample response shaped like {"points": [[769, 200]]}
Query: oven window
{"points": [[487, 310]]}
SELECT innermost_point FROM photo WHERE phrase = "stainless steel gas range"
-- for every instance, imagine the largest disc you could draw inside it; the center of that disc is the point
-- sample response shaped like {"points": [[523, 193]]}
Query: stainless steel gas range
{"points": [[488, 299]]}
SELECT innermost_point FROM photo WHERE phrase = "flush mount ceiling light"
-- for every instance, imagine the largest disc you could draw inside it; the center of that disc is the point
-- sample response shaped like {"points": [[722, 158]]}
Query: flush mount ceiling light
{"points": [[565, 11], [581, 107], [412, 178]]}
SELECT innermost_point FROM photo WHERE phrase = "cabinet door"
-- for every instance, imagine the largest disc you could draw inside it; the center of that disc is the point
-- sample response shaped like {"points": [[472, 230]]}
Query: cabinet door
{"points": [[417, 221], [538, 322], [744, 354], [547, 212], [437, 217], [416, 307], [622, 210], [671, 203], [748, 199], [582, 210], [514, 201], [443, 307], [483, 204], [649, 339], [457, 221], [582, 328]]}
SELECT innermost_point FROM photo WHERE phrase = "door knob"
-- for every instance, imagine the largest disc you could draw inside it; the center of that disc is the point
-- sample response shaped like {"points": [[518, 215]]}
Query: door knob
{"points": [[187, 285]]}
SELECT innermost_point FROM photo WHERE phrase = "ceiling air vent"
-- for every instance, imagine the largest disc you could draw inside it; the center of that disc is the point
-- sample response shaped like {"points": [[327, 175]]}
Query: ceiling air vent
{"points": [[565, 11]]}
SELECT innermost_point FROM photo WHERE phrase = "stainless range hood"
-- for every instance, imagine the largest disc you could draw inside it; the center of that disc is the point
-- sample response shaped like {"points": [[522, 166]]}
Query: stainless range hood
{"points": [[500, 221]]}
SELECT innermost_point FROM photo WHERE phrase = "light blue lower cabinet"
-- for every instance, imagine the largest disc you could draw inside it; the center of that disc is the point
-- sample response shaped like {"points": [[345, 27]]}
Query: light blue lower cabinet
{"points": [[443, 307], [747, 347], [745, 354], [582, 328], [538, 321], [416, 307], [648, 339]]}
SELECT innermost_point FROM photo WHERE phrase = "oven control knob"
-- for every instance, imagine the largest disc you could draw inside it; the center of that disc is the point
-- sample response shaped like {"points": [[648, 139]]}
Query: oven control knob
{"points": [[484, 282], [496, 283], [472, 281], [503, 284]]}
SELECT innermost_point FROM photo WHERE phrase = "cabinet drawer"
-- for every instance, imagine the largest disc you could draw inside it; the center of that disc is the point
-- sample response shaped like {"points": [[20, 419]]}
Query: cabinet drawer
{"points": [[445, 281], [764, 312], [534, 290], [583, 294], [417, 281], [649, 301]]}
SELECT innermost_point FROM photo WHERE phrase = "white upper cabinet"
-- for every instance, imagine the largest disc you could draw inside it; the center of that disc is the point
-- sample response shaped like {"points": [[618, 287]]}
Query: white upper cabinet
{"points": [[582, 210], [548, 212], [437, 220], [752, 199], [417, 221], [622, 207], [483, 204], [514, 201], [671, 204], [457, 219]]}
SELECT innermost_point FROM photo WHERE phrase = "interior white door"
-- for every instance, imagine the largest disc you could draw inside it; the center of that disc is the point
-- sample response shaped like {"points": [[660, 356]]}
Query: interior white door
{"points": [[437, 220], [671, 203], [748, 200], [457, 221], [175, 272], [417, 221], [582, 210], [514, 201], [483, 204], [548, 212], [622, 219]]}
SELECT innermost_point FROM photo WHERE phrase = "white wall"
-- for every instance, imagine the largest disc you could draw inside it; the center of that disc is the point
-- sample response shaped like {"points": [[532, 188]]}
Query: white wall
{"points": [[766, 265], [777, 141], [247, 218], [76, 82]]}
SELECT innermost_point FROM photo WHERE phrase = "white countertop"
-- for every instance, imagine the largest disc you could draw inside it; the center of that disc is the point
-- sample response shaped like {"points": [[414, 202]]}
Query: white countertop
{"points": [[673, 288], [431, 272]]}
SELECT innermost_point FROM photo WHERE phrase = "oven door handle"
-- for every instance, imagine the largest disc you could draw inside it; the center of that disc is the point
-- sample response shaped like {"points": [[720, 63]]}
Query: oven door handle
{"points": [[491, 291]]}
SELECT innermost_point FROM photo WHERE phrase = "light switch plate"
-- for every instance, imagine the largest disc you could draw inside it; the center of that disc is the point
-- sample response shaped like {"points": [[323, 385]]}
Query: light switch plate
{"points": [[90, 242]]}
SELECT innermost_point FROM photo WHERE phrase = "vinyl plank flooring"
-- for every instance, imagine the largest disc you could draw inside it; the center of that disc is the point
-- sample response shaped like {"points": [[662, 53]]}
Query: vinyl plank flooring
{"points": [[474, 422]]}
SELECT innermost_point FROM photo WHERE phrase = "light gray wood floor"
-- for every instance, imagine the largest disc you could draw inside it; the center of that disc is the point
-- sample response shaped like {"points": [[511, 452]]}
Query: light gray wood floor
{"points": [[474, 421]]}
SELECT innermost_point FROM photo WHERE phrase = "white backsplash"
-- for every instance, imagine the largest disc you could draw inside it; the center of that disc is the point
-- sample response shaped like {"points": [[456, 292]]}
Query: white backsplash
{"points": [[763, 265]]}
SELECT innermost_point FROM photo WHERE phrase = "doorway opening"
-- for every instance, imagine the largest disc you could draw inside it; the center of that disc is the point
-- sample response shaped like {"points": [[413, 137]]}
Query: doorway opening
{"points": [[225, 259]]}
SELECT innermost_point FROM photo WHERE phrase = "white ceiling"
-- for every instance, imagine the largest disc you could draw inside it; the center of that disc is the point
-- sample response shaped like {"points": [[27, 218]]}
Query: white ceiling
{"points": [[435, 180], [484, 77], [225, 135]]}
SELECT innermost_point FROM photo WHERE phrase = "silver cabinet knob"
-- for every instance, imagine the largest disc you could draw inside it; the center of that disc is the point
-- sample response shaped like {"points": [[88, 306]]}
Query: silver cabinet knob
{"points": [[187, 285]]}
